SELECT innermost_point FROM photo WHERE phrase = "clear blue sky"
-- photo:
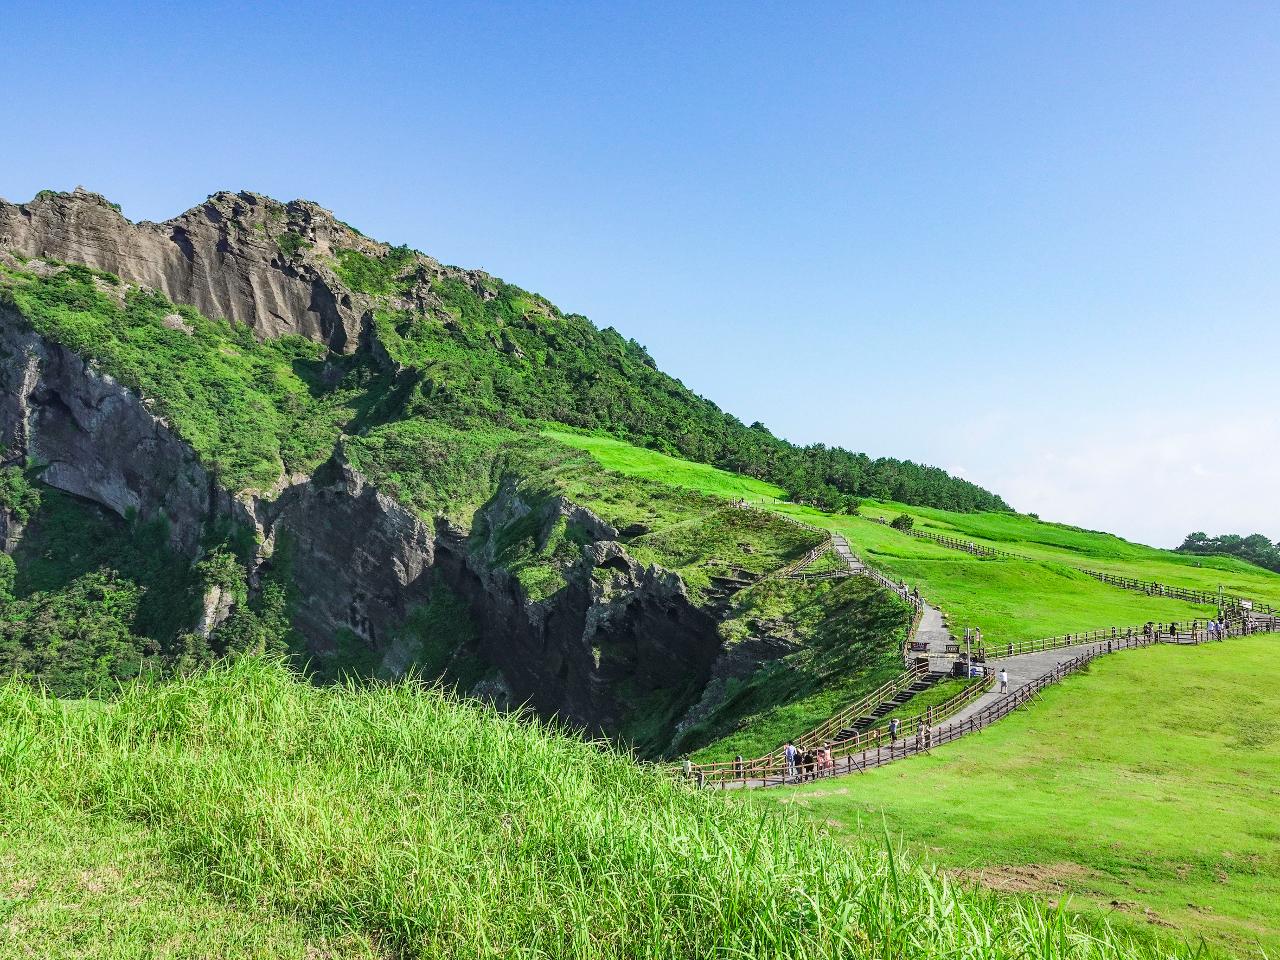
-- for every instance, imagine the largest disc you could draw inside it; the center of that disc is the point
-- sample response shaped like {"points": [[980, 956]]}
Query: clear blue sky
{"points": [[1037, 244]]}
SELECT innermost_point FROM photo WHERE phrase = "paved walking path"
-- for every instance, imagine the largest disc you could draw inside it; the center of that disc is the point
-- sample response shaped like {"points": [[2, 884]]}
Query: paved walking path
{"points": [[841, 546], [1022, 669], [933, 631]]}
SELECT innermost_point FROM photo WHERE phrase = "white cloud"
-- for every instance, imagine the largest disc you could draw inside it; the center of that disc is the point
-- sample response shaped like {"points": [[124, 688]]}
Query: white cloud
{"points": [[1154, 484]]}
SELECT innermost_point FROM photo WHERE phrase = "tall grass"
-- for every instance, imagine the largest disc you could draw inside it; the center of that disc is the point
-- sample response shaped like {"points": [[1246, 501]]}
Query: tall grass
{"points": [[438, 829]]}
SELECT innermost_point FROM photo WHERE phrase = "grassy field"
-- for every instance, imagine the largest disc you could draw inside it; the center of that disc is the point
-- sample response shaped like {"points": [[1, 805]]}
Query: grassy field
{"points": [[1009, 600], [639, 462], [244, 812], [1164, 815], [1054, 542]]}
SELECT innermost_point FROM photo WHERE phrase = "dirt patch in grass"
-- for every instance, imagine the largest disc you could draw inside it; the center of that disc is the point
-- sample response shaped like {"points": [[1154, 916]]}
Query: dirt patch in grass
{"points": [[1053, 878]]}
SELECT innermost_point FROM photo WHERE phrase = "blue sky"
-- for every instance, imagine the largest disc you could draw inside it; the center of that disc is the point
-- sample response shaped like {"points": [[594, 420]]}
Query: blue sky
{"points": [[1036, 244]]}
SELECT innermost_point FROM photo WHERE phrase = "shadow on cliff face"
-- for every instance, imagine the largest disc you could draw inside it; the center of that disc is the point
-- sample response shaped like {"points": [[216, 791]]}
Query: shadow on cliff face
{"points": [[616, 649]]}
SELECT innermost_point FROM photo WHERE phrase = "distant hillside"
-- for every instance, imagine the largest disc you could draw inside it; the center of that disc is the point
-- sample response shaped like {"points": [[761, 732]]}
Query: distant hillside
{"points": [[1255, 548]]}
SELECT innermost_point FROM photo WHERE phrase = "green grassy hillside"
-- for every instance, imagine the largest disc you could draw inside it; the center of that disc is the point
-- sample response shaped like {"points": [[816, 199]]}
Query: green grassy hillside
{"points": [[1055, 542], [1163, 815], [243, 813], [1009, 600], [451, 345]]}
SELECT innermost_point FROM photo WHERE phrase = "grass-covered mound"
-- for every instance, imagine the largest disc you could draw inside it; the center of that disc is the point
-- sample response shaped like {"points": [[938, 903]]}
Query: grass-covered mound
{"points": [[1030, 537], [397, 822], [1009, 600], [1158, 814]]}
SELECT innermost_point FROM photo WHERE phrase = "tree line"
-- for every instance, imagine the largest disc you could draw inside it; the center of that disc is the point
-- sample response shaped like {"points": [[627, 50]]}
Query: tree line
{"points": [[1255, 548]]}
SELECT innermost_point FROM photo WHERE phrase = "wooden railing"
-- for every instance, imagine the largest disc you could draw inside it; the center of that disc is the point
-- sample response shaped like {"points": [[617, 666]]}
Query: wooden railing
{"points": [[774, 769], [1194, 631], [1211, 597], [795, 566], [873, 748], [827, 730]]}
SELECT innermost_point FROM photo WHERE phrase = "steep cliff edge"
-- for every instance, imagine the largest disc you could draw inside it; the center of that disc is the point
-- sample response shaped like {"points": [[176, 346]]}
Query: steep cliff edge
{"points": [[359, 561], [344, 441], [224, 257]]}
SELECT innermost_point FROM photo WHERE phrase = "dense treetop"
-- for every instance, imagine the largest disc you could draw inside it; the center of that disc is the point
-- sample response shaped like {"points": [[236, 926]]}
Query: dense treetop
{"points": [[1255, 548]]}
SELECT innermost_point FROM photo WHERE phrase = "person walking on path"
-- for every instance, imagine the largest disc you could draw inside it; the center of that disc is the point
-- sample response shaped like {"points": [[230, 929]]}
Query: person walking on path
{"points": [[893, 731], [790, 754], [1004, 680]]}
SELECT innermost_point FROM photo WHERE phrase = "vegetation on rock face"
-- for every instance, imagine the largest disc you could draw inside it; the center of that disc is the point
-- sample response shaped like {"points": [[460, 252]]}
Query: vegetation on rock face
{"points": [[93, 599], [18, 496], [1255, 548], [251, 409], [89, 600], [433, 467], [395, 821]]}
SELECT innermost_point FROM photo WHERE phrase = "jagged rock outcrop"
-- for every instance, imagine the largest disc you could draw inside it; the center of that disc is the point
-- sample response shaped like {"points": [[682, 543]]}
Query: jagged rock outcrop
{"points": [[223, 257]]}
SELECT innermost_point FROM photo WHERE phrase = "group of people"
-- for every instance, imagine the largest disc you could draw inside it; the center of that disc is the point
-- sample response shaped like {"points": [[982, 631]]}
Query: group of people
{"points": [[807, 764], [1214, 629]]}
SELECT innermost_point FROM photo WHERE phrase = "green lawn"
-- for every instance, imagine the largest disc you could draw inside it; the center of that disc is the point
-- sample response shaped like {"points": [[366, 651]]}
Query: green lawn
{"points": [[639, 462], [1161, 814], [1092, 549], [1010, 600]]}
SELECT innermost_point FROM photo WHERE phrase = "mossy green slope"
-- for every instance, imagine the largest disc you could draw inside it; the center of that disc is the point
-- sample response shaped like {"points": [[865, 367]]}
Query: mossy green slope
{"points": [[1009, 599]]}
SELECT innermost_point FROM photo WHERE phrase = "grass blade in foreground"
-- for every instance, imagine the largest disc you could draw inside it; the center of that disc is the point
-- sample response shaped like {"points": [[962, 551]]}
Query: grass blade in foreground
{"points": [[437, 829]]}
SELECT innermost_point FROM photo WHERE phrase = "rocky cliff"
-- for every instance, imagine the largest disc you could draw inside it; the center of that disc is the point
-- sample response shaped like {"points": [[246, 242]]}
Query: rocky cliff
{"points": [[223, 257], [616, 634]]}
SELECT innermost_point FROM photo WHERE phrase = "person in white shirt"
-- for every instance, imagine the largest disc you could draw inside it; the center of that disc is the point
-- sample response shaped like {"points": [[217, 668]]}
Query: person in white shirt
{"points": [[1004, 680]]}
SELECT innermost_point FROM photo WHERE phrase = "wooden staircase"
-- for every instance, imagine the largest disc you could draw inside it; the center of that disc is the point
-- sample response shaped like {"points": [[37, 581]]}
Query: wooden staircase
{"points": [[886, 707]]}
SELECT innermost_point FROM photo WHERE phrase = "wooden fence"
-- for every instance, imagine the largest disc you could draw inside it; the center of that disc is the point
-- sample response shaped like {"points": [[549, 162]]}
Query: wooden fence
{"points": [[773, 769], [1194, 631], [873, 748], [1227, 601]]}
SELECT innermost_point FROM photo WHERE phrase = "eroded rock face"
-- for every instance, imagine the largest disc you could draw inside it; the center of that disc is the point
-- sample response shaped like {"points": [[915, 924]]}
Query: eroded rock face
{"points": [[97, 439], [359, 558], [614, 633], [223, 257]]}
